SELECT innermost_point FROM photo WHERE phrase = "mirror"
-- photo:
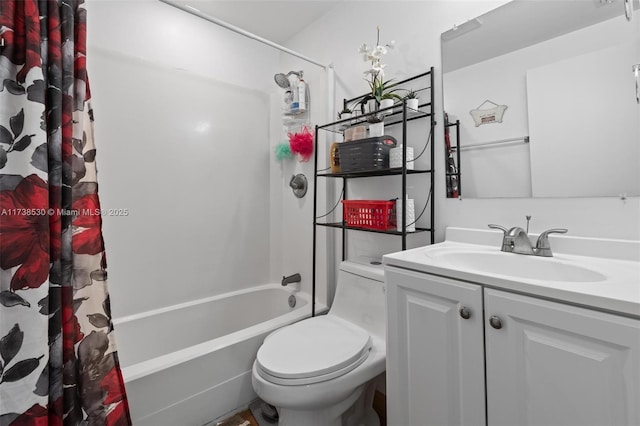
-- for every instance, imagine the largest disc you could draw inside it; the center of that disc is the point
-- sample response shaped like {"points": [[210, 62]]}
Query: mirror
{"points": [[542, 98]]}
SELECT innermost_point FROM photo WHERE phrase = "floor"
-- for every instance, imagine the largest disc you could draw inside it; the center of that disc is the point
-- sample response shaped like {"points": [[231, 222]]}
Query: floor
{"points": [[243, 418], [251, 416]]}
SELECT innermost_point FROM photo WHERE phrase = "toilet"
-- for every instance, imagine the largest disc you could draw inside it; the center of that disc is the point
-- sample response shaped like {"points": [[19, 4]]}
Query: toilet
{"points": [[320, 371]]}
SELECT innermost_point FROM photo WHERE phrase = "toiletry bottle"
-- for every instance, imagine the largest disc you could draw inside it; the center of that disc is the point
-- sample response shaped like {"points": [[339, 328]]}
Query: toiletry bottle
{"points": [[288, 101], [302, 95], [295, 105], [334, 158]]}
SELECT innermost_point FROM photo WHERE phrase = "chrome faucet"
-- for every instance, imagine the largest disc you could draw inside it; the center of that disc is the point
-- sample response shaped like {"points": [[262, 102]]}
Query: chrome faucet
{"points": [[516, 240], [543, 248], [295, 278]]}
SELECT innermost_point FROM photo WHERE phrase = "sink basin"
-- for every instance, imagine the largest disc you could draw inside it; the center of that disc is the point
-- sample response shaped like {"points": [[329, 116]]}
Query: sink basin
{"points": [[519, 266], [597, 272]]}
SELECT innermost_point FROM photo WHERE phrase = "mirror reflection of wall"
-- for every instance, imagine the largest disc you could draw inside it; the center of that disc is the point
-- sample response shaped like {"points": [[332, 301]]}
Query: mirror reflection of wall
{"points": [[563, 69]]}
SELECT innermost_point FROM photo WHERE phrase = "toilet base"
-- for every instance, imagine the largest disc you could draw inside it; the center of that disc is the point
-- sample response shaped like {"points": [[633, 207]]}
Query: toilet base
{"points": [[361, 413], [355, 410]]}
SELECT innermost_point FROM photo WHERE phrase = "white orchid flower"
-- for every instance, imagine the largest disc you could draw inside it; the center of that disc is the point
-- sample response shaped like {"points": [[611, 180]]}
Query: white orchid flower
{"points": [[375, 74], [377, 53], [380, 50], [376, 71]]}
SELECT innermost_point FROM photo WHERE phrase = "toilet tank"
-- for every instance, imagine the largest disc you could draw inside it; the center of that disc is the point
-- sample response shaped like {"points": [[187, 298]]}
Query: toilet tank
{"points": [[360, 295]]}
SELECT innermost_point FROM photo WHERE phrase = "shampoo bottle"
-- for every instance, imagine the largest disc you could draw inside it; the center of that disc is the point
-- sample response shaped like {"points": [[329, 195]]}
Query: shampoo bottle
{"points": [[302, 95]]}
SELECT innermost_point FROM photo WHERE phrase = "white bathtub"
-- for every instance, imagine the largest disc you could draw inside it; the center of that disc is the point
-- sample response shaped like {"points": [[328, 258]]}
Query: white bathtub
{"points": [[191, 363]]}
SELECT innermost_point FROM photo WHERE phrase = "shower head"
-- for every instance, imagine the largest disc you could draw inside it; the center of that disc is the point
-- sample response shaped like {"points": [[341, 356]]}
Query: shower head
{"points": [[282, 80]]}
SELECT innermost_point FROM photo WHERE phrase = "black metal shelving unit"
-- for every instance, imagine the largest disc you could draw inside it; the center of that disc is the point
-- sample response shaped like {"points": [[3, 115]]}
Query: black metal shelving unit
{"points": [[397, 118]]}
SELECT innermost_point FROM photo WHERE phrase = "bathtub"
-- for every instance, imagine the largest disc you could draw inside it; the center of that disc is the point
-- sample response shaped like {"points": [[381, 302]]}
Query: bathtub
{"points": [[190, 363]]}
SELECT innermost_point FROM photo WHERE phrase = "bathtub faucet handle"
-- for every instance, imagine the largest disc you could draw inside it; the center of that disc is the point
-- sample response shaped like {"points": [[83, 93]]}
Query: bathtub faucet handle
{"points": [[295, 278]]}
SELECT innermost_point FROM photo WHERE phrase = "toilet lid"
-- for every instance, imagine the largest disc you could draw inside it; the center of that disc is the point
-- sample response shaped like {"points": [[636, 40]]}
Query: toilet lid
{"points": [[313, 347]]}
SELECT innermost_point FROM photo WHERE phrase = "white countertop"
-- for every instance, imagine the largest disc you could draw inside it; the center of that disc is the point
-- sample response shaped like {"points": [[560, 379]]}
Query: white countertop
{"points": [[617, 260]]}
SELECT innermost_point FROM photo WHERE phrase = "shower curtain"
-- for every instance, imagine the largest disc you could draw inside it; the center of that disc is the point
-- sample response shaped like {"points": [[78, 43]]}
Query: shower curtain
{"points": [[58, 362]]}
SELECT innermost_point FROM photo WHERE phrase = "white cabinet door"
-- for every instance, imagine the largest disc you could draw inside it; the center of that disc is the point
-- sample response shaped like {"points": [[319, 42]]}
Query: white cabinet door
{"points": [[435, 358], [554, 364]]}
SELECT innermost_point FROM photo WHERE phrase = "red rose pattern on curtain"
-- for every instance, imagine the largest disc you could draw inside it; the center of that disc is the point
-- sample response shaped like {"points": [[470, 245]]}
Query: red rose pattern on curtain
{"points": [[58, 361]]}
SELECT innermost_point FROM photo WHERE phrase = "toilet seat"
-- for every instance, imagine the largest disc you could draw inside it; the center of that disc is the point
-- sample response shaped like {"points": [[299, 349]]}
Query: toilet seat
{"points": [[313, 350]]}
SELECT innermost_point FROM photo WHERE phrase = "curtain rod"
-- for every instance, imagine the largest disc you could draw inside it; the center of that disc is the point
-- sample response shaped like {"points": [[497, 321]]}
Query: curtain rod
{"points": [[196, 12]]}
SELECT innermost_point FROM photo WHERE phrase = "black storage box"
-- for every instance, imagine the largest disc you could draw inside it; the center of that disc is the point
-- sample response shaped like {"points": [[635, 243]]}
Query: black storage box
{"points": [[365, 154]]}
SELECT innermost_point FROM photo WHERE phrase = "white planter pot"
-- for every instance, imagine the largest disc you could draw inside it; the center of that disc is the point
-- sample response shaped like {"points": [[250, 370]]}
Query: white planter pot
{"points": [[386, 103], [413, 104]]}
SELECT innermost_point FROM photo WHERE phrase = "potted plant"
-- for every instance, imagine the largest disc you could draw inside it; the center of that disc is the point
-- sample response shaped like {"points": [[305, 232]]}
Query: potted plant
{"points": [[345, 113], [381, 93], [382, 96], [412, 100], [386, 96]]}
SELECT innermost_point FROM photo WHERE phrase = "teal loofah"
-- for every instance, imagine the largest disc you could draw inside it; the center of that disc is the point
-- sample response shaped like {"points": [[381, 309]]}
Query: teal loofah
{"points": [[283, 152]]}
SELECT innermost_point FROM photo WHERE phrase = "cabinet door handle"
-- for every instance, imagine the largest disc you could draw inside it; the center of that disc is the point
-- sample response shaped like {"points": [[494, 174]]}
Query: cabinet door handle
{"points": [[465, 313], [495, 322]]}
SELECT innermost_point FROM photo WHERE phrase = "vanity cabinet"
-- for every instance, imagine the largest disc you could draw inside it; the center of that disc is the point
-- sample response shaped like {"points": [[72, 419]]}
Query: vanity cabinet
{"points": [[554, 364], [534, 361], [435, 350]]}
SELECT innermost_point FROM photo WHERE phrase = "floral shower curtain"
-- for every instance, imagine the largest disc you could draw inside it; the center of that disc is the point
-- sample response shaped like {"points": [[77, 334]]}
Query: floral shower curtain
{"points": [[58, 363]]}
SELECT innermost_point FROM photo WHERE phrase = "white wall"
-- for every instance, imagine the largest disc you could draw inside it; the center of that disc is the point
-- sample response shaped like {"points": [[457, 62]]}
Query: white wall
{"points": [[416, 27], [182, 127]]}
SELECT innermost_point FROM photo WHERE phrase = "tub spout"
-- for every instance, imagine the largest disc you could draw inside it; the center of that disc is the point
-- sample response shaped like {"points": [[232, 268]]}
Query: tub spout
{"points": [[295, 278]]}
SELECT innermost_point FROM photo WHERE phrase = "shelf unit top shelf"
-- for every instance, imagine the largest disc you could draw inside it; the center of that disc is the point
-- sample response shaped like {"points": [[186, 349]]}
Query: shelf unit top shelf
{"points": [[372, 173], [392, 117], [389, 119], [399, 83]]}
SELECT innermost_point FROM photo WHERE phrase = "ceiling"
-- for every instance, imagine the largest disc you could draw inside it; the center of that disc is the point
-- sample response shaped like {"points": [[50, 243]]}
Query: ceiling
{"points": [[277, 21]]}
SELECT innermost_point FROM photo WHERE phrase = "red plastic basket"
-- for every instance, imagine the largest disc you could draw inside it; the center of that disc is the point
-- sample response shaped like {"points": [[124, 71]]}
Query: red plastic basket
{"points": [[370, 214]]}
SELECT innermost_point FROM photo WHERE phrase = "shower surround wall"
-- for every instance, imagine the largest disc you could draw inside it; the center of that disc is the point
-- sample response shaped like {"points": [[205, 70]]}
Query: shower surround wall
{"points": [[293, 216], [185, 130], [189, 116]]}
